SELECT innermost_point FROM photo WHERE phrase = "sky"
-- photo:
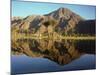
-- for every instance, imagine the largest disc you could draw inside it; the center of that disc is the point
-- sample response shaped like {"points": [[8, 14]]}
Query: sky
{"points": [[25, 8]]}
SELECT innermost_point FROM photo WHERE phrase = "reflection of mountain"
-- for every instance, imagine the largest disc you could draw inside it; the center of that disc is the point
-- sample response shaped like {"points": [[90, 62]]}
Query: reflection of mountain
{"points": [[61, 21], [60, 51]]}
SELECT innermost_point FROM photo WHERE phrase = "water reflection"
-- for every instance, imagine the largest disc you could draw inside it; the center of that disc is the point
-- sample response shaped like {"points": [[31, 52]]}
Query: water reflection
{"points": [[60, 51]]}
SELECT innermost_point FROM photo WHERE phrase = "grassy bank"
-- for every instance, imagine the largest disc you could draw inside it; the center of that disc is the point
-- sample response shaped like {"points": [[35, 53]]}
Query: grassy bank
{"points": [[54, 37]]}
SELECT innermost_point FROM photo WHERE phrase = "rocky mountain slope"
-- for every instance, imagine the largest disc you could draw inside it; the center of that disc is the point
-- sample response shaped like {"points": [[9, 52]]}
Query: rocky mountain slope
{"points": [[61, 21]]}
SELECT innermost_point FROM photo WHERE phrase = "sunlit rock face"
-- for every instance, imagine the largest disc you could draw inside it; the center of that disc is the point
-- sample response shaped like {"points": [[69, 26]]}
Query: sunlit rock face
{"points": [[59, 51]]}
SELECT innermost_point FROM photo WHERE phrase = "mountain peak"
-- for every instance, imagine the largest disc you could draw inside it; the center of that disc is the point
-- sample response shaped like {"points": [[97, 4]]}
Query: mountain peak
{"points": [[61, 12], [63, 9]]}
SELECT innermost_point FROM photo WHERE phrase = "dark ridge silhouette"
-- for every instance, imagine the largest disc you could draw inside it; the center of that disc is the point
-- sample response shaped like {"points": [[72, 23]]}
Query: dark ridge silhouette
{"points": [[86, 27]]}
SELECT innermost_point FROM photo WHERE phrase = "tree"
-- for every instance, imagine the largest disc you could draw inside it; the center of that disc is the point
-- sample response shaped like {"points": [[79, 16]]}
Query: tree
{"points": [[50, 26], [47, 23]]}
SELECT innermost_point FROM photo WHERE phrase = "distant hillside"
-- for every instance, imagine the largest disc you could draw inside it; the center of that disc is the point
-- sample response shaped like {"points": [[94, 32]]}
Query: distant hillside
{"points": [[86, 27]]}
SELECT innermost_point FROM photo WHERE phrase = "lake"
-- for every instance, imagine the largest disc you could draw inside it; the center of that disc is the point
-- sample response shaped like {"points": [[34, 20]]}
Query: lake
{"points": [[43, 55]]}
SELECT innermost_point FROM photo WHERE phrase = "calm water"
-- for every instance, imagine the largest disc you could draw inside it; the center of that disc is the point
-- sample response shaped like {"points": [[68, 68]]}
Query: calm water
{"points": [[36, 56]]}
